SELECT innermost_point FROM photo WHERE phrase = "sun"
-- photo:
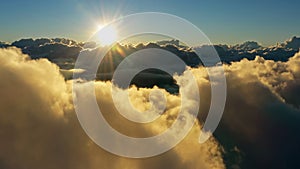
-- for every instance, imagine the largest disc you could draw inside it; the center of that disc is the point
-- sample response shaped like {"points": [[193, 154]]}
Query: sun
{"points": [[107, 35]]}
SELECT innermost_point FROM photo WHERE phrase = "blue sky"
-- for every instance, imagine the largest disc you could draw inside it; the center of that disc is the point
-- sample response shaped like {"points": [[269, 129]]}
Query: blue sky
{"points": [[230, 22]]}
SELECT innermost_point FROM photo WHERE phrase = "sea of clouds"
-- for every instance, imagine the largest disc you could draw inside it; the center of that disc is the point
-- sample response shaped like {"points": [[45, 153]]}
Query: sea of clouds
{"points": [[259, 128], [39, 128]]}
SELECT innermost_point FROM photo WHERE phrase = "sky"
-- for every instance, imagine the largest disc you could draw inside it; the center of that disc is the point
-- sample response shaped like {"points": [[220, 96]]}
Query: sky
{"points": [[230, 22]]}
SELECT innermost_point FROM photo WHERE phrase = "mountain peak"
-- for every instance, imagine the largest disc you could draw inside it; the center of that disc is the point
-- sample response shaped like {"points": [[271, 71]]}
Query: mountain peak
{"points": [[248, 45], [293, 43]]}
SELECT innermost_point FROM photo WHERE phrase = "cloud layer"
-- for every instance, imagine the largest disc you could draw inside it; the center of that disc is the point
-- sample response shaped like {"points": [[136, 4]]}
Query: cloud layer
{"points": [[259, 129], [261, 117], [39, 128]]}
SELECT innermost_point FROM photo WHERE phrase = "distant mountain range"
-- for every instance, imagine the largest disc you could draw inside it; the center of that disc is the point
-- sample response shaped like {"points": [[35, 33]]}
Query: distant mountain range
{"points": [[251, 49], [61, 48], [64, 53]]}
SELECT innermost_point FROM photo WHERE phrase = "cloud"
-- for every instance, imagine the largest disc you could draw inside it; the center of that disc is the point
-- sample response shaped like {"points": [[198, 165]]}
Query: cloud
{"points": [[33, 104], [39, 128], [261, 117]]}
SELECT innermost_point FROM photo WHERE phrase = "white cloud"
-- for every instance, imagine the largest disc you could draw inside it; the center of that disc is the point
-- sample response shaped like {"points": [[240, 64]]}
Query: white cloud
{"points": [[39, 128]]}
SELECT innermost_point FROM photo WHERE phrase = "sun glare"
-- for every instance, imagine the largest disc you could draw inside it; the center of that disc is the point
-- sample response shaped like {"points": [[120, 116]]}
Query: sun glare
{"points": [[107, 34]]}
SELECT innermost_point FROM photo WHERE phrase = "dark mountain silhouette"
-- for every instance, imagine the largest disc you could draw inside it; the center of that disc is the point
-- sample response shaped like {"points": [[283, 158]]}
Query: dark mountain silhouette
{"points": [[64, 52]]}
